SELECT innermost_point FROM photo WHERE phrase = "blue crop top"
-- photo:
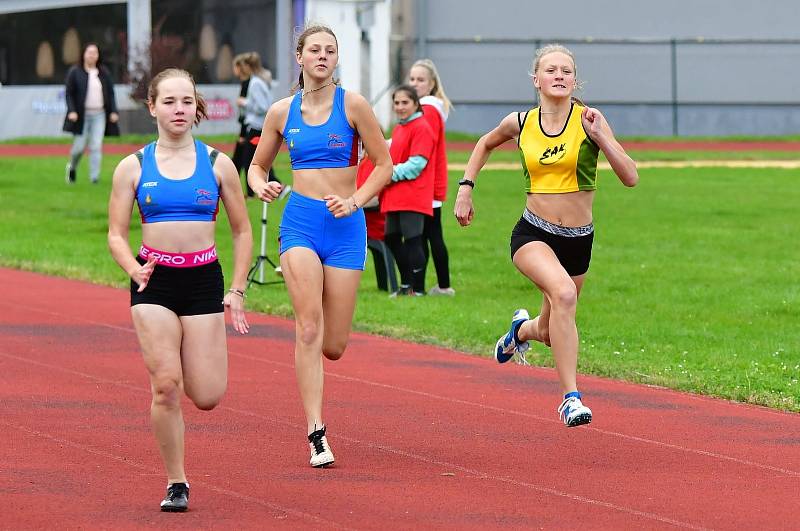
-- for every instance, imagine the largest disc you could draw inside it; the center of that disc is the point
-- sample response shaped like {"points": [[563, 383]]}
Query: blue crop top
{"points": [[195, 198], [333, 144]]}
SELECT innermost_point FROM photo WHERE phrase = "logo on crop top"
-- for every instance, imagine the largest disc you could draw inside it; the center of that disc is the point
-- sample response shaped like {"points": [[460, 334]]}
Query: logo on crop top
{"points": [[294, 130], [203, 197], [335, 141], [553, 154], [150, 184], [148, 200]]}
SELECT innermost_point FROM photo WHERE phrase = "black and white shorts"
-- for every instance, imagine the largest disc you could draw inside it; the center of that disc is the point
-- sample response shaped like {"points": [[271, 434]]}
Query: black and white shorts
{"points": [[571, 245]]}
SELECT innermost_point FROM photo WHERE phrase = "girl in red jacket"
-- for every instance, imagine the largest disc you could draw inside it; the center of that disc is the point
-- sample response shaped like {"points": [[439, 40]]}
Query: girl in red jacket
{"points": [[424, 77], [408, 200]]}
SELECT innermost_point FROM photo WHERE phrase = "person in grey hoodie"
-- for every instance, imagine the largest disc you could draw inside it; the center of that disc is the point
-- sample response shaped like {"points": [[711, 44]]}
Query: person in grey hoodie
{"points": [[254, 108]]}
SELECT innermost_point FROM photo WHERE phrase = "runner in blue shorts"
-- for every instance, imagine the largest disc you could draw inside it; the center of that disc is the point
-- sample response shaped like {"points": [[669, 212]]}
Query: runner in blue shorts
{"points": [[323, 235]]}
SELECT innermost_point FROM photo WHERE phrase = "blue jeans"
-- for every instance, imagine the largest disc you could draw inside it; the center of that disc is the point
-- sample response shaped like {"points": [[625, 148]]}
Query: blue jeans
{"points": [[94, 128]]}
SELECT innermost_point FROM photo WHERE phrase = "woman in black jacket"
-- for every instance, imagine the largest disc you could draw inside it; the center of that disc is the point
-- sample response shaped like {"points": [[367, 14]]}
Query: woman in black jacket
{"points": [[91, 110]]}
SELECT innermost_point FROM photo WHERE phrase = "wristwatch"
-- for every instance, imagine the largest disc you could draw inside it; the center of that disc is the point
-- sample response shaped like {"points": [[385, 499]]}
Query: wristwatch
{"points": [[468, 182]]}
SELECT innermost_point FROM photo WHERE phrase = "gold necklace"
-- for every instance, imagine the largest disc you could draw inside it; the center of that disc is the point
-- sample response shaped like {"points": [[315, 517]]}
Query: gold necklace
{"points": [[304, 91]]}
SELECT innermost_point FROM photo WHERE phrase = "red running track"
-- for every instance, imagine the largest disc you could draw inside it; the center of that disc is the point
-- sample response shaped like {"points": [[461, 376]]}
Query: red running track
{"points": [[424, 437], [62, 150]]}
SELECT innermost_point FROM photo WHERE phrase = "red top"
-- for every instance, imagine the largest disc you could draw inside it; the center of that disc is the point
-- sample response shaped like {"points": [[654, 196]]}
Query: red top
{"points": [[376, 220], [410, 139], [436, 123]]}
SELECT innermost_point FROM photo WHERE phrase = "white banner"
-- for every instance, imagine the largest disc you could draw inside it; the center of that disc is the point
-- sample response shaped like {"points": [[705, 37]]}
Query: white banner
{"points": [[38, 111]]}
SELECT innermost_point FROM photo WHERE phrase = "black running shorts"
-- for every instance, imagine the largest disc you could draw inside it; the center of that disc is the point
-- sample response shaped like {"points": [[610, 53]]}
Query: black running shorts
{"points": [[574, 252], [184, 290]]}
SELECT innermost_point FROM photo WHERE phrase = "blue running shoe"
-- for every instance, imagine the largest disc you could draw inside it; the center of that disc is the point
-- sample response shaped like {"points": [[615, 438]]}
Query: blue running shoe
{"points": [[507, 345], [573, 412]]}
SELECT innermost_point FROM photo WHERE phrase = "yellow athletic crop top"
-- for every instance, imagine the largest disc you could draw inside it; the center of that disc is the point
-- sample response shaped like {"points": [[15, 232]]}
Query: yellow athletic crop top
{"points": [[557, 164]]}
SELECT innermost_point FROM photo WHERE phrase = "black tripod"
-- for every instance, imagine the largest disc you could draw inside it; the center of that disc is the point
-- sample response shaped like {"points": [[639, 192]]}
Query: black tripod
{"points": [[258, 266]]}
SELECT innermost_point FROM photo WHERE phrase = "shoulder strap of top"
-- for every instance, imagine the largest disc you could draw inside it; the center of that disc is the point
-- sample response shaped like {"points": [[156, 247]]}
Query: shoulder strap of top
{"points": [[143, 152], [521, 119], [213, 156], [338, 98], [294, 108]]}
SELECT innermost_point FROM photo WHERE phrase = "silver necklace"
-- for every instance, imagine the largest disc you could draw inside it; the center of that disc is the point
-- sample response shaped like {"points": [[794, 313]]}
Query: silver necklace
{"points": [[304, 91]]}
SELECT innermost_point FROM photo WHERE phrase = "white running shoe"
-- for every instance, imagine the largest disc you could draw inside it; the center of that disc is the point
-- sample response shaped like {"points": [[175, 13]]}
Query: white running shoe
{"points": [[69, 174], [507, 345], [573, 412], [321, 455], [436, 290]]}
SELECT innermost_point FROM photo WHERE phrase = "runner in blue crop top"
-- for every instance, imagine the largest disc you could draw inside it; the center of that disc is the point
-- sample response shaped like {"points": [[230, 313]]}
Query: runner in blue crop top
{"points": [[323, 235], [193, 199], [177, 288], [333, 144]]}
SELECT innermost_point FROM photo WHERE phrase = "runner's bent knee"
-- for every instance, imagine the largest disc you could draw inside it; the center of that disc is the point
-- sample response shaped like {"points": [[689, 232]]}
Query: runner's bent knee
{"points": [[166, 391]]}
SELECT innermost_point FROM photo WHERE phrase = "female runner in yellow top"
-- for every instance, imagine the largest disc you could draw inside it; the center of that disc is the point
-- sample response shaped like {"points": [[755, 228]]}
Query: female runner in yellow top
{"points": [[559, 143]]}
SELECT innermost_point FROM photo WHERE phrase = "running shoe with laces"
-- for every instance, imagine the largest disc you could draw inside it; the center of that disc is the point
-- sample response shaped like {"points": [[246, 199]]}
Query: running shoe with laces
{"points": [[573, 412], [406, 291], [177, 499], [321, 455], [507, 345]]}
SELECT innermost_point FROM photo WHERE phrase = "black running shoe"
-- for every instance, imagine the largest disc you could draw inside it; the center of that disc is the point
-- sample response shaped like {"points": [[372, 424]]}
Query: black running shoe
{"points": [[321, 455], [177, 499]]}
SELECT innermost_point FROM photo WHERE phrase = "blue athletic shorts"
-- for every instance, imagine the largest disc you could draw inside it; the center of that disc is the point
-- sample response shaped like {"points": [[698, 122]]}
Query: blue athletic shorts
{"points": [[338, 242]]}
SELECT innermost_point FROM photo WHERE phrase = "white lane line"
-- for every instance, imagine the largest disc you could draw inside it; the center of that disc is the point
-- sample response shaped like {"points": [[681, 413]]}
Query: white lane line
{"points": [[661, 444], [149, 470], [388, 449]]}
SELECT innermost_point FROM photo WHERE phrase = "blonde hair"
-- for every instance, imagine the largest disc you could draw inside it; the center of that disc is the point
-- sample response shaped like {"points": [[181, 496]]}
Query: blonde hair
{"points": [[252, 61], [152, 90], [438, 89], [301, 42], [556, 48]]}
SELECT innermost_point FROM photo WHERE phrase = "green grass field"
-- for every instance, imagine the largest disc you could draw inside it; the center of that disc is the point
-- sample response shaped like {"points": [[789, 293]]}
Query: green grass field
{"points": [[693, 285]]}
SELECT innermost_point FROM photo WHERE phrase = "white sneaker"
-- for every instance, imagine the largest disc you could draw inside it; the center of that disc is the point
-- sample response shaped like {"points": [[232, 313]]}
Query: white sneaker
{"points": [[69, 174], [573, 412], [507, 345], [321, 455], [436, 290]]}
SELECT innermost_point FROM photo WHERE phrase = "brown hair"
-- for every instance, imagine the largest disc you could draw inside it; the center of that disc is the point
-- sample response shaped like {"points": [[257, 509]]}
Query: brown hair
{"points": [[410, 92], [301, 42], [152, 90]]}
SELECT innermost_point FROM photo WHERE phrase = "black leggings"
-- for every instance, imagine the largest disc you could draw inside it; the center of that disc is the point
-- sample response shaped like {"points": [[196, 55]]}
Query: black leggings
{"points": [[432, 236], [248, 150], [410, 258], [404, 239]]}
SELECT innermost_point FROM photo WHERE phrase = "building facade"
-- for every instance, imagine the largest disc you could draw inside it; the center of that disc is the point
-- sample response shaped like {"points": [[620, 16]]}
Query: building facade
{"points": [[684, 67], [41, 39], [680, 68]]}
